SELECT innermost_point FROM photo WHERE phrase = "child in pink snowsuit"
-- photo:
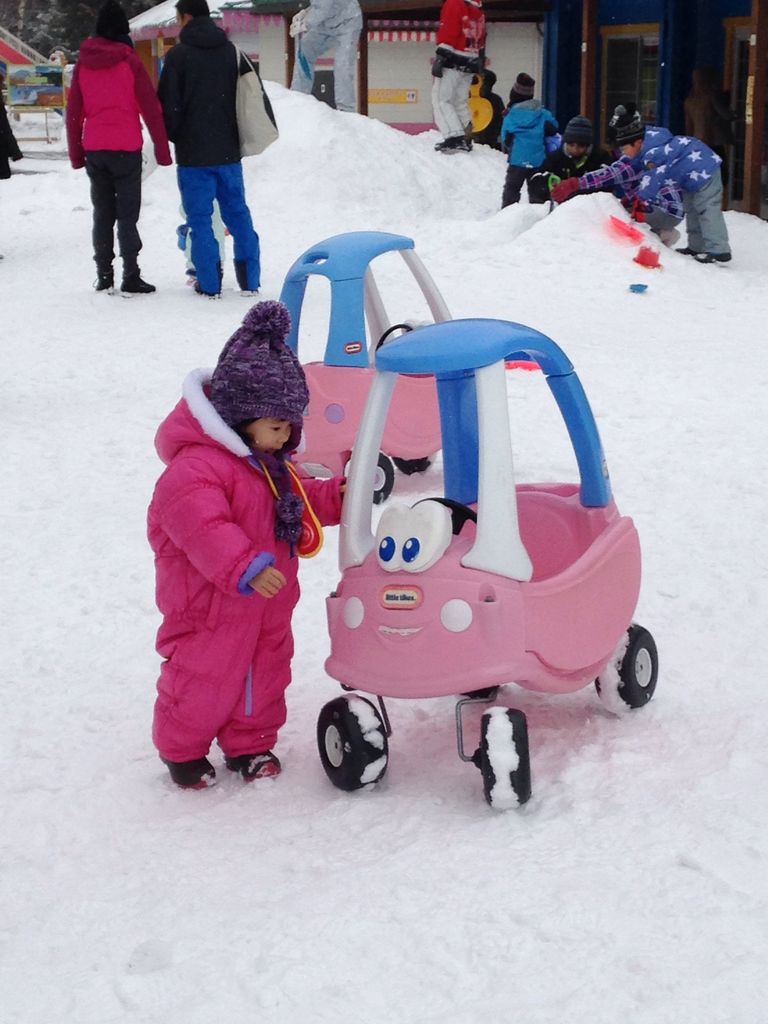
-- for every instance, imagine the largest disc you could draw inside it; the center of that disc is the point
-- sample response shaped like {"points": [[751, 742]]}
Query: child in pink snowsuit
{"points": [[226, 521]]}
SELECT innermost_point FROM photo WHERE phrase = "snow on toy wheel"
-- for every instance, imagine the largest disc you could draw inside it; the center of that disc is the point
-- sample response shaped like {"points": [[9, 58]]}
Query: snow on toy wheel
{"points": [[411, 466], [352, 742], [385, 479], [629, 680], [503, 758]]}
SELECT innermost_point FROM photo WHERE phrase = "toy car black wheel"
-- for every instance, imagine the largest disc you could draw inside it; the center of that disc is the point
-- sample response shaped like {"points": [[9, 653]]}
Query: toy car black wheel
{"points": [[504, 759], [385, 479], [411, 466], [638, 671], [352, 742]]}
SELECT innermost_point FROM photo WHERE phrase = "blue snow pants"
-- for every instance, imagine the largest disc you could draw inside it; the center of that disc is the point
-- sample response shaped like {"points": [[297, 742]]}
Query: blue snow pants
{"points": [[199, 186]]}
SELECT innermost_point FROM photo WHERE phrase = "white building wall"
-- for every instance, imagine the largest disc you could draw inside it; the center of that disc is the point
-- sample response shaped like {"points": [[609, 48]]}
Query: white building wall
{"points": [[267, 46], [401, 71], [272, 55], [512, 48]]}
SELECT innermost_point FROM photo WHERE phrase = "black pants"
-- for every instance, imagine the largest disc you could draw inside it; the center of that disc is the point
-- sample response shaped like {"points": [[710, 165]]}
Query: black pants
{"points": [[513, 183], [116, 197]]}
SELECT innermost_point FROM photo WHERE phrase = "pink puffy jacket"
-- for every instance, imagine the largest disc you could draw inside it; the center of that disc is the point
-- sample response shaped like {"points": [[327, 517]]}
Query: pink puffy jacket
{"points": [[211, 525], [110, 89]]}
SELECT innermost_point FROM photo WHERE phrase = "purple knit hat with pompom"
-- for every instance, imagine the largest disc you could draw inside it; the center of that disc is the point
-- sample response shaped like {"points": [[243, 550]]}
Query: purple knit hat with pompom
{"points": [[257, 374]]}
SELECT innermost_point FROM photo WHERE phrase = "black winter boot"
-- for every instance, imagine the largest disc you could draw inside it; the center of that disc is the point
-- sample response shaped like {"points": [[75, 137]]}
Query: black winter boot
{"points": [[241, 273], [105, 281], [712, 257], [198, 774], [254, 766], [134, 285]]}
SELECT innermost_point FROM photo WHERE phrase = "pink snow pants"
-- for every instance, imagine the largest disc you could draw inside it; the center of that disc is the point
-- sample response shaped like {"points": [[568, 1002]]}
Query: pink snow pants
{"points": [[239, 700]]}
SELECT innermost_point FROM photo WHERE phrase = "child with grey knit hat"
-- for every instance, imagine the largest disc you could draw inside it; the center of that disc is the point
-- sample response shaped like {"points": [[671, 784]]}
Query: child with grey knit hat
{"points": [[228, 520]]}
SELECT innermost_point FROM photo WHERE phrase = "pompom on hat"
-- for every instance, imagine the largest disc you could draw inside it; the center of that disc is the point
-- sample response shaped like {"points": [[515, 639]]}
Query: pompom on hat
{"points": [[112, 21], [626, 125], [579, 130], [257, 375]]}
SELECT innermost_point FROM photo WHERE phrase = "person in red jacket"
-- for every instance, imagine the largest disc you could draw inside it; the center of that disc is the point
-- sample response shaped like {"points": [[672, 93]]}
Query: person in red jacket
{"points": [[459, 56], [110, 89]]}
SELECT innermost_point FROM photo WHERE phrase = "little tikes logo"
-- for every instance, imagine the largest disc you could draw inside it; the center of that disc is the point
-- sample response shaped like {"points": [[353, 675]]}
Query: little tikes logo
{"points": [[353, 347], [402, 598]]}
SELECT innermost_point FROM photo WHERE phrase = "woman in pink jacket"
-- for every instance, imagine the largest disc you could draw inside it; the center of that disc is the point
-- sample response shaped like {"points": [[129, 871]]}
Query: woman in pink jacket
{"points": [[110, 89], [227, 520]]}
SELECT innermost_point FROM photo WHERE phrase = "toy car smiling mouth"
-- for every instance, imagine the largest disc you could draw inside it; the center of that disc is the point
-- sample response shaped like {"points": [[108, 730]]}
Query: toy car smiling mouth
{"points": [[491, 582]]}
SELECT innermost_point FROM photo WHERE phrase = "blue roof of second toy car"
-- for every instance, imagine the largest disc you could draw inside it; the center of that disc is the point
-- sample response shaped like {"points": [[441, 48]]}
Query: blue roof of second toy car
{"points": [[344, 257], [461, 345]]}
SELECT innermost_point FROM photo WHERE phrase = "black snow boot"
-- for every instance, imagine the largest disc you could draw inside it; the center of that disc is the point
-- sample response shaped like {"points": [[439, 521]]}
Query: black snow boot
{"points": [[105, 281], [241, 273], [254, 766], [134, 285], [712, 257], [198, 774]]}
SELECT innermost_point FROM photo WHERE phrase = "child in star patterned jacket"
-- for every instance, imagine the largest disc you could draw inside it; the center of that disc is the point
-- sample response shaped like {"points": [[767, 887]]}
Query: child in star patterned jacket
{"points": [[227, 519], [695, 169], [659, 169]]}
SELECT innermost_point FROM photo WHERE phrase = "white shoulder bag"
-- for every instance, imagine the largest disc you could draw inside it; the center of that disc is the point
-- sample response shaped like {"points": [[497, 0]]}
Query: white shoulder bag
{"points": [[256, 124]]}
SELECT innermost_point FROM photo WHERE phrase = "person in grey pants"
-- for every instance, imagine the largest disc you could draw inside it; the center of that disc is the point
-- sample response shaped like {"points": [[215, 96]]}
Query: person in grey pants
{"points": [[328, 25]]}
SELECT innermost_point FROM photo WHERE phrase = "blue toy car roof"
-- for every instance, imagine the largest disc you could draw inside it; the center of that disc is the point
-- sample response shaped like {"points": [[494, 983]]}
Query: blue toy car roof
{"points": [[344, 257], [461, 345]]}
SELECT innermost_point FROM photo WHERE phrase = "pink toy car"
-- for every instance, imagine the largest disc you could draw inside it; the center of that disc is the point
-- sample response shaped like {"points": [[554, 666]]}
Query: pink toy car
{"points": [[338, 387], [488, 583]]}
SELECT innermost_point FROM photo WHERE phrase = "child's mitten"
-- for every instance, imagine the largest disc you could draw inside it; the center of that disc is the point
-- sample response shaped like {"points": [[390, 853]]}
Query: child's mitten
{"points": [[565, 189]]}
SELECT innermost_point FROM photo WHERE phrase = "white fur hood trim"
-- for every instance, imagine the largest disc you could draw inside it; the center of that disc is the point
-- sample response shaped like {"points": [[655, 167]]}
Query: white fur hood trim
{"points": [[205, 414]]}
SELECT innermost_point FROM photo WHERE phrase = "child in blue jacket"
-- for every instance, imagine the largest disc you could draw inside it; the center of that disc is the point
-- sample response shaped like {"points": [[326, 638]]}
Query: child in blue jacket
{"points": [[695, 169], [525, 126]]}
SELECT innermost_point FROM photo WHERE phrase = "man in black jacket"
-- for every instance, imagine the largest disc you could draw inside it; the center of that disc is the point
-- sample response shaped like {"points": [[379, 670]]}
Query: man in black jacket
{"points": [[197, 90]]}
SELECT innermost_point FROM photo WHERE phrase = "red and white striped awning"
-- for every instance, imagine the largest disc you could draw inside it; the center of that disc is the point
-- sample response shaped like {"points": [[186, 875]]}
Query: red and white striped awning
{"points": [[402, 36]]}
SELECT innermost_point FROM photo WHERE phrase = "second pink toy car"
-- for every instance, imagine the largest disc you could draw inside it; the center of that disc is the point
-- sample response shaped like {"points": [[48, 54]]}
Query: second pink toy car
{"points": [[359, 324]]}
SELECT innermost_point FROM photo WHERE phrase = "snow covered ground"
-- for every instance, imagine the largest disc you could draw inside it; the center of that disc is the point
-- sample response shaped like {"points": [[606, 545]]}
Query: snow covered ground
{"points": [[632, 887]]}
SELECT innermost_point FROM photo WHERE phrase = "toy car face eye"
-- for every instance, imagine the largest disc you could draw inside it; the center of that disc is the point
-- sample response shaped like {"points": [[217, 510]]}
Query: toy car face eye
{"points": [[389, 538], [387, 549], [428, 536], [413, 539], [411, 550]]}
